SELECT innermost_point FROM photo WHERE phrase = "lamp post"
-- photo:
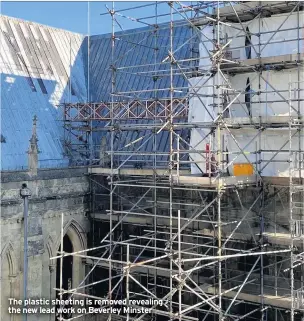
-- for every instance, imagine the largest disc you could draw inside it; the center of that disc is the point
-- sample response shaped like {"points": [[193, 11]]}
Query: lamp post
{"points": [[25, 193]]}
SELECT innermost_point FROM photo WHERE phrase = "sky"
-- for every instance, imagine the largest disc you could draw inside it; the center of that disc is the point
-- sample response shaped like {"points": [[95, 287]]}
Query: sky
{"points": [[73, 15]]}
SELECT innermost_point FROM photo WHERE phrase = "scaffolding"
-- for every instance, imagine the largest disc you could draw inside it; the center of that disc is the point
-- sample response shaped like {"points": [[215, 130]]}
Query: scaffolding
{"points": [[204, 246]]}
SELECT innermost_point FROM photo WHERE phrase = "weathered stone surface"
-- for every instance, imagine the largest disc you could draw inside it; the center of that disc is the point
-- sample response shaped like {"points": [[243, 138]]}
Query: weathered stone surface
{"points": [[53, 192], [35, 247], [34, 226], [43, 174]]}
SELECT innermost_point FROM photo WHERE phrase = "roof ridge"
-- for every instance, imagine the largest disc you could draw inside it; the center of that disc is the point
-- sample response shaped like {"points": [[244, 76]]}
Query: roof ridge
{"points": [[41, 25]]}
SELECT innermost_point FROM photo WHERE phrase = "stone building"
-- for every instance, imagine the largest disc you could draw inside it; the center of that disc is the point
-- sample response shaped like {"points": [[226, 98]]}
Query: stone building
{"points": [[35, 75], [179, 146]]}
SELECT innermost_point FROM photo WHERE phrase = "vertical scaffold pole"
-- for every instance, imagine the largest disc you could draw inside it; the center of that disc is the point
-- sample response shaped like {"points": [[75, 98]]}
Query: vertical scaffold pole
{"points": [[171, 158], [219, 160], [112, 151], [292, 312], [179, 266]]}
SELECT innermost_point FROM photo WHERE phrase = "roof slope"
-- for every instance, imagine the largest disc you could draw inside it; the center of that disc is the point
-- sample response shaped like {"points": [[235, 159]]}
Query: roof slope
{"points": [[138, 56], [36, 64], [137, 53]]}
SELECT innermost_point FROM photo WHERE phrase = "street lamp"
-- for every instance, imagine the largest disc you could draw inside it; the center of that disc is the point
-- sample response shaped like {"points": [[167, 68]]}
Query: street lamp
{"points": [[25, 193]]}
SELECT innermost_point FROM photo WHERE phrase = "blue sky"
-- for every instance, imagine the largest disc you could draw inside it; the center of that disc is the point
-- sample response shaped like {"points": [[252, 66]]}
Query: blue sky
{"points": [[73, 15]]}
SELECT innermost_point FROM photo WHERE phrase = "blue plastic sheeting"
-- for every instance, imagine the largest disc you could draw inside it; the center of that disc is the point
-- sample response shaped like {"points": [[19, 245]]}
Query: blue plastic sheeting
{"points": [[37, 63]]}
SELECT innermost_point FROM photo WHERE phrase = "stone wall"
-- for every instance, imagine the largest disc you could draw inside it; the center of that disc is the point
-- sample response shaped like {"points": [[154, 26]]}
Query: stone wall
{"points": [[54, 192]]}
